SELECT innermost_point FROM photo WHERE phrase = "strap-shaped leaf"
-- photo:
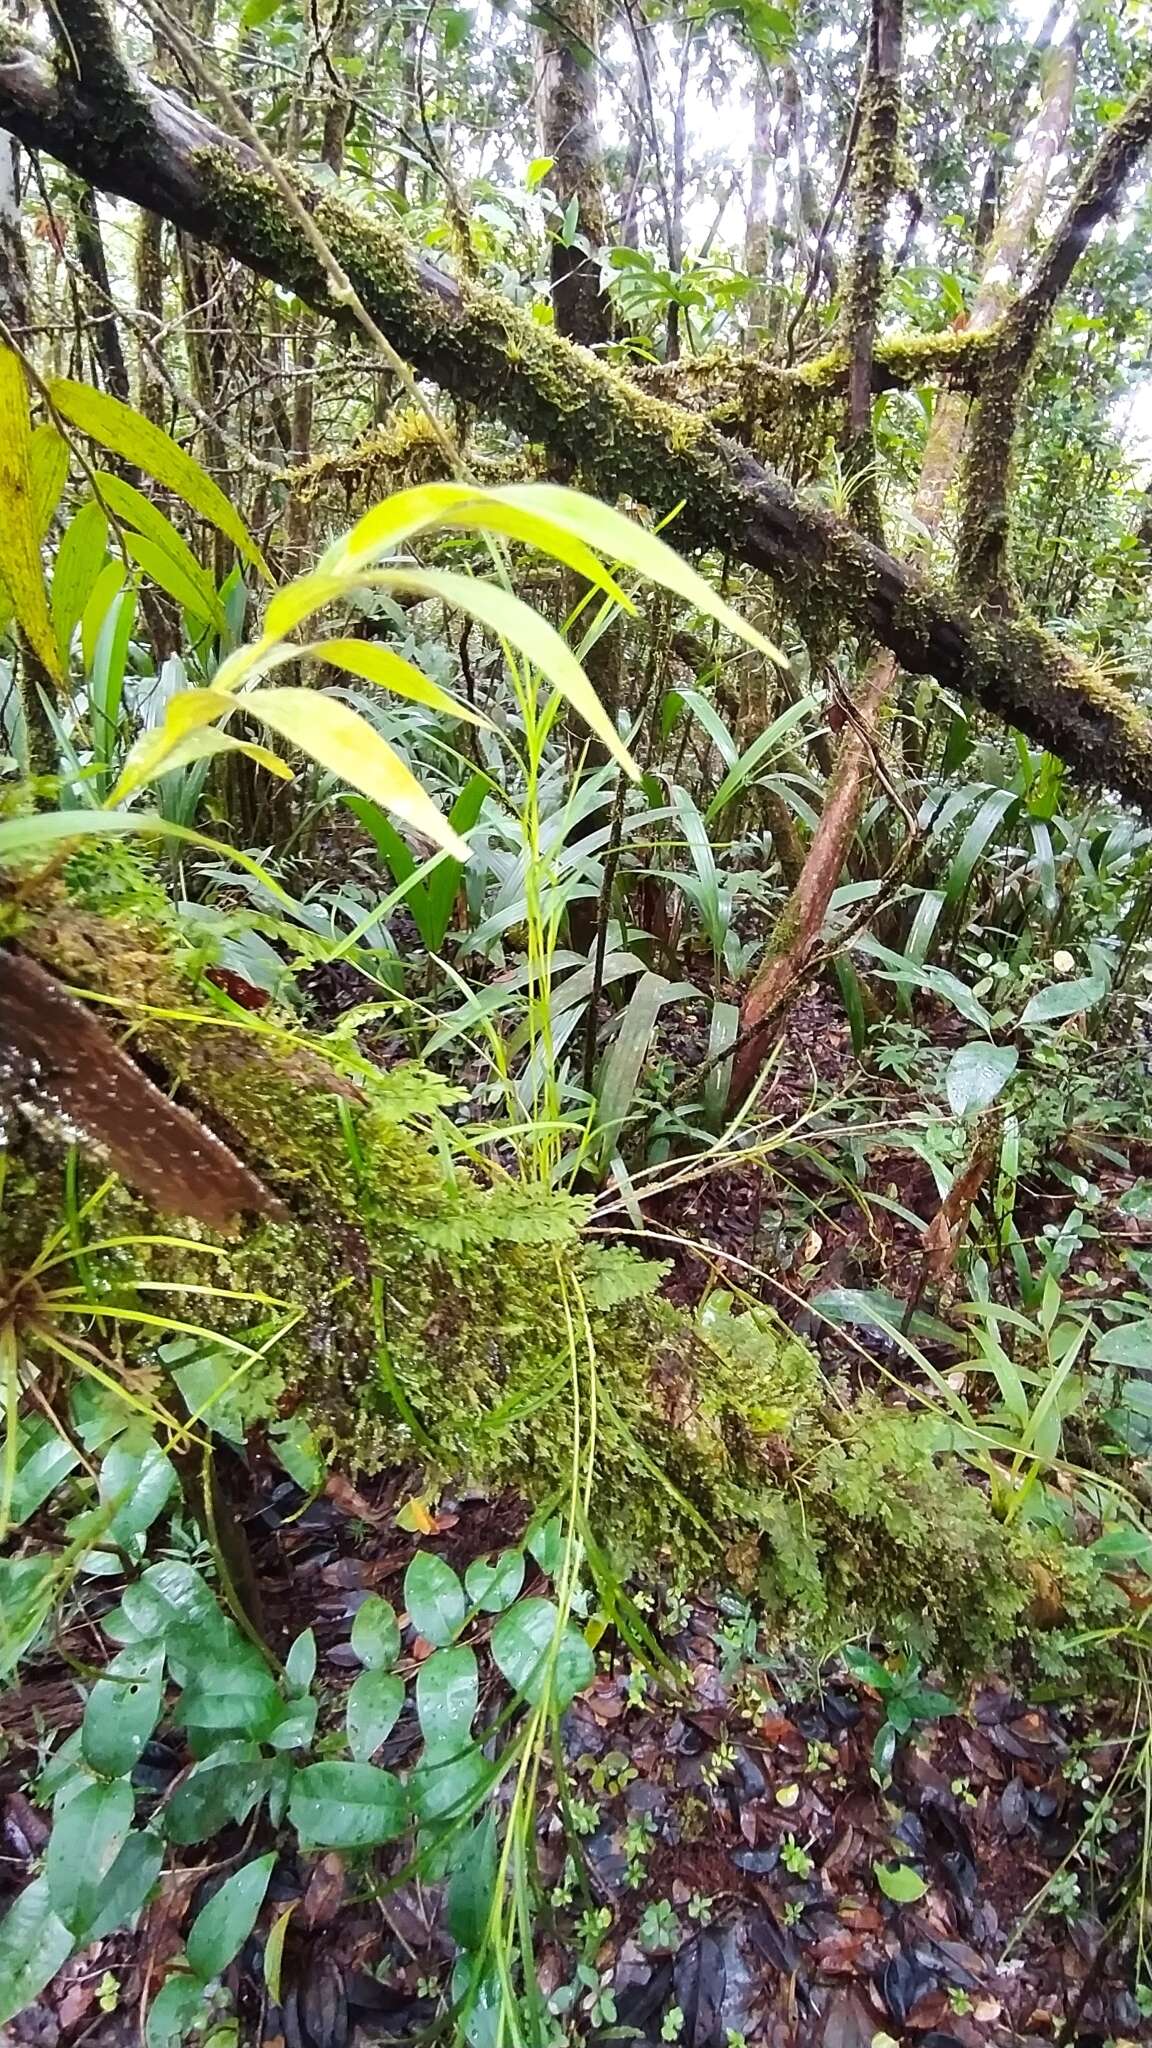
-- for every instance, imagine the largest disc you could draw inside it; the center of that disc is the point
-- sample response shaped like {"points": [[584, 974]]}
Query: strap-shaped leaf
{"points": [[523, 629], [22, 497], [79, 561], [152, 754], [186, 580], [443, 504], [375, 663], [340, 740], [127, 433], [603, 527]]}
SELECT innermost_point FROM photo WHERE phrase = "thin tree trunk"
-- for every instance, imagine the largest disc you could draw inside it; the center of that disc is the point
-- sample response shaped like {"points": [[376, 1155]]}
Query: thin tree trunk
{"points": [[569, 59], [679, 174], [1004, 254], [756, 223], [802, 919], [104, 329], [14, 282], [150, 301]]}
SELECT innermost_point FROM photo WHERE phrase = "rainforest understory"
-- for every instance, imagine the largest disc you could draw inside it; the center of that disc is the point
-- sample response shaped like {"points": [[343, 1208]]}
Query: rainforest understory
{"points": [[575, 995]]}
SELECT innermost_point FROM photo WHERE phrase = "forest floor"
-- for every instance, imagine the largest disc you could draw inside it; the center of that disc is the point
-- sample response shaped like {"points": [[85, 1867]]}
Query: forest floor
{"points": [[733, 1830], [721, 1884]]}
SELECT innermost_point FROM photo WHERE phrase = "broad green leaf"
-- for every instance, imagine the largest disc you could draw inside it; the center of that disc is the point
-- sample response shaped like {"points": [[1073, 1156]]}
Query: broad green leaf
{"points": [[347, 1806], [980, 833], [1065, 999], [195, 596], [21, 497], [472, 1888], [221, 1928], [122, 1710], [547, 1545], [608, 531], [85, 1841], [532, 1660], [1129, 1345], [225, 1787], [752, 759], [34, 1942], [126, 433], [79, 561], [171, 1603], [434, 1597], [235, 1697], [492, 1587], [623, 1064], [376, 1633], [140, 1481], [525, 630], [447, 1696], [373, 1709], [336, 736], [182, 576], [900, 1882], [45, 1458], [375, 663], [863, 1665], [295, 1725], [127, 1887], [179, 2003], [300, 1663], [447, 1785], [976, 1074]]}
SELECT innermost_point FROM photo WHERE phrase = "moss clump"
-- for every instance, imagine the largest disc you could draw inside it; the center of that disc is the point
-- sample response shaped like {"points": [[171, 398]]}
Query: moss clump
{"points": [[467, 1325]]}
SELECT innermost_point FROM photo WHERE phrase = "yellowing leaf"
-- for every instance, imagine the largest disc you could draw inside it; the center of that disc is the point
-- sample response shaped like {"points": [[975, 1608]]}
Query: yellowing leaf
{"points": [[205, 742], [400, 516], [340, 740], [21, 500], [444, 504], [127, 433], [185, 713], [603, 527], [375, 663], [48, 466], [523, 629], [301, 599], [246, 664]]}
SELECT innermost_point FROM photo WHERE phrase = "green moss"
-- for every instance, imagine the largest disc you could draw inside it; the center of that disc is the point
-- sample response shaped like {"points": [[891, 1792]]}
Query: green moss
{"points": [[466, 1328]]}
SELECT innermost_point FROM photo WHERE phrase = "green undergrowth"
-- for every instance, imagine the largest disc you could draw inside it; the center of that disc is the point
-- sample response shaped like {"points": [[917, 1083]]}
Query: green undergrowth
{"points": [[426, 1310]]}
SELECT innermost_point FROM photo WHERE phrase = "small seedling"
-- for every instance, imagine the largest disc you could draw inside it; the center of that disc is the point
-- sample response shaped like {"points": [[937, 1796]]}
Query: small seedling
{"points": [[907, 1703], [795, 1859], [659, 1928]]}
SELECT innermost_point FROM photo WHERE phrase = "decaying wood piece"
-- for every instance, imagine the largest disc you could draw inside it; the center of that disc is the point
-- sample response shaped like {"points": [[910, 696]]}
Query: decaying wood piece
{"points": [[59, 1060]]}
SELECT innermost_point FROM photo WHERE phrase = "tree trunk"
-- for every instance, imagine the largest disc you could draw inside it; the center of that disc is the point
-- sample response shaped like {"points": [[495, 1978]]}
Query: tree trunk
{"points": [[569, 59], [104, 329]]}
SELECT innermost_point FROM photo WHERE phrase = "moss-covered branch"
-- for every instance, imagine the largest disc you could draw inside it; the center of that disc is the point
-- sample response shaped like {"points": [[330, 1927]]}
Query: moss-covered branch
{"points": [[984, 540], [592, 420], [875, 177]]}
